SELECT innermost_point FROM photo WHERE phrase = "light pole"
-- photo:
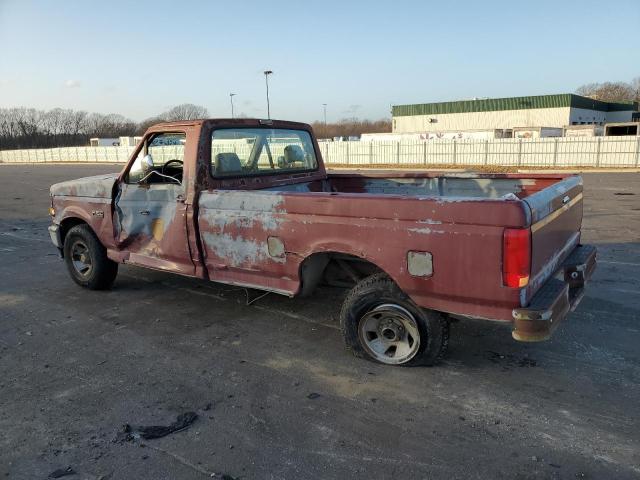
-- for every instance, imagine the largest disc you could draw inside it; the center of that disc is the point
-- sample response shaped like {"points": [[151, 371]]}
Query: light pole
{"points": [[231, 95], [266, 81], [324, 106]]}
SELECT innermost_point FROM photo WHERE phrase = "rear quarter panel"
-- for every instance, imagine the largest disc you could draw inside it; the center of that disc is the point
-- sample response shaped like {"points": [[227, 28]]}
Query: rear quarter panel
{"points": [[464, 238]]}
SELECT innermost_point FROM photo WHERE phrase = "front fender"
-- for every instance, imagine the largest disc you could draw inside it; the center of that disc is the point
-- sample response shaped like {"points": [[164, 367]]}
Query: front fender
{"points": [[95, 212]]}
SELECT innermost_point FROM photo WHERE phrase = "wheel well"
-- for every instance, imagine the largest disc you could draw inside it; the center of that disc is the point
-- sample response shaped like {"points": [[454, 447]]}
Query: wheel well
{"points": [[337, 269], [67, 224]]}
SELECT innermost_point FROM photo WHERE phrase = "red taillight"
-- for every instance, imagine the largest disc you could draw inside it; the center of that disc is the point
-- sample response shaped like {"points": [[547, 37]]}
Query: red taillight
{"points": [[516, 257]]}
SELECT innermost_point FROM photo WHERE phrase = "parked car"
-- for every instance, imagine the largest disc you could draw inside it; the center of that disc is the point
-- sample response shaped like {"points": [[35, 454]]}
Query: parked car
{"points": [[249, 203]]}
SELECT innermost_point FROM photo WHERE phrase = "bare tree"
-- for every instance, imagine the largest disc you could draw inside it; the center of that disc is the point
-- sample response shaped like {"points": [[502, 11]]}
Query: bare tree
{"points": [[609, 91], [635, 85], [146, 123], [351, 127], [185, 111], [30, 128]]}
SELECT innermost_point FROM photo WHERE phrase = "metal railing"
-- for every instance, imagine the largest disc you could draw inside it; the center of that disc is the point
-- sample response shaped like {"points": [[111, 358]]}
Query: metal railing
{"points": [[605, 152]]}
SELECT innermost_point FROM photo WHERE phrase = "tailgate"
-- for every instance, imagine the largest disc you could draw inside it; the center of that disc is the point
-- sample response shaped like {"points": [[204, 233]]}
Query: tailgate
{"points": [[556, 217]]}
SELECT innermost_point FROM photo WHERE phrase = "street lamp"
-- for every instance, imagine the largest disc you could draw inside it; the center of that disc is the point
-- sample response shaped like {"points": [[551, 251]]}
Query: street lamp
{"points": [[231, 95], [324, 106], [266, 81]]}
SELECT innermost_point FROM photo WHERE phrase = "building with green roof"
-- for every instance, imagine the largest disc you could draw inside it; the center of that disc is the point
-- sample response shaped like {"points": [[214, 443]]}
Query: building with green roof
{"points": [[556, 111]]}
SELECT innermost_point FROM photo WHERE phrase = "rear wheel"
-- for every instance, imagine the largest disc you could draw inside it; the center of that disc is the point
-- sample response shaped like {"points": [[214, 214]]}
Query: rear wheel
{"points": [[86, 259], [381, 323]]}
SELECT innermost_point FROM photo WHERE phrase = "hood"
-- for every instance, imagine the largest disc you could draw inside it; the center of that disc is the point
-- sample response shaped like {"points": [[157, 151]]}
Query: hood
{"points": [[98, 186]]}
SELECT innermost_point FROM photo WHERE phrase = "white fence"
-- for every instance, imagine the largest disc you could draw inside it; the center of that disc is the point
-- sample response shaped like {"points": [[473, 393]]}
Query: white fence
{"points": [[67, 154], [543, 152]]}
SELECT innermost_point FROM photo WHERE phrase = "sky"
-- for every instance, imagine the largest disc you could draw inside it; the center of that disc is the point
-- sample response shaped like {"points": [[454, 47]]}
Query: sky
{"points": [[140, 58]]}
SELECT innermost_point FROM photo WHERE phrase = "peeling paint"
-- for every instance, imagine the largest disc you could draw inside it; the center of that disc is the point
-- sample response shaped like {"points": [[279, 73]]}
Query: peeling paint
{"points": [[97, 186], [237, 251], [253, 201], [420, 230]]}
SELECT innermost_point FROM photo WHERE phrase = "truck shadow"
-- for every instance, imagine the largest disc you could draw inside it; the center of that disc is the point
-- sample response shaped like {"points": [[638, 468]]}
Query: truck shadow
{"points": [[197, 305]]}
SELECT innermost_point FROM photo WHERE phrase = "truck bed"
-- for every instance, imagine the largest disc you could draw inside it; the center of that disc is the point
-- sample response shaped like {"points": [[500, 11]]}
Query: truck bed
{"points": [[493, 186], [422, 184], [459, 218]]}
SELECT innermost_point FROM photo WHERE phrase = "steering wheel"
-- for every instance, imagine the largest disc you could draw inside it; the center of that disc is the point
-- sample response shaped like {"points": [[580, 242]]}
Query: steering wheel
{"points": [[166, 164]]}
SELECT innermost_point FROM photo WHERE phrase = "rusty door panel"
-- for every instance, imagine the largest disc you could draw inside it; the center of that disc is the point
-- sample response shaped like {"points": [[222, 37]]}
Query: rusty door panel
{"points": [[150, 224]]}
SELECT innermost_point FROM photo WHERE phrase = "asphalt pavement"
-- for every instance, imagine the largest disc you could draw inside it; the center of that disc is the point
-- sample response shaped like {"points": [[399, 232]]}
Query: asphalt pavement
{"points": [[276, 394]]}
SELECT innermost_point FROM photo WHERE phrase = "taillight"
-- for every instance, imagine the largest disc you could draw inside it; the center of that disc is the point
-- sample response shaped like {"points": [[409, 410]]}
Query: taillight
{"points": [[516, 257]]}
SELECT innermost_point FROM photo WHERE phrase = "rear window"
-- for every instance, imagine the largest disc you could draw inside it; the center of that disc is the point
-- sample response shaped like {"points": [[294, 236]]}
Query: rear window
{"points": [[260, 151]]}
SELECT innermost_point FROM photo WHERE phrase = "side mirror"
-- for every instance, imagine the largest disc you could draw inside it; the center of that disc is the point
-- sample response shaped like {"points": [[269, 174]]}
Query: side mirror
{"points": [[147, 163]]}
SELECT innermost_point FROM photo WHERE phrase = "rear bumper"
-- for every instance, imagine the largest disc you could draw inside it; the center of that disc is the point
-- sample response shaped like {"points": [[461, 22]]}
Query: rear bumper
{"points": [[560, 295]]}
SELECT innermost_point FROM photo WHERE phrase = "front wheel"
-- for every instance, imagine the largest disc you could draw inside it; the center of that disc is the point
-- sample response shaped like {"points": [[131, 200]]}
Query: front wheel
{"points": [[87, 261], [380, 322]]}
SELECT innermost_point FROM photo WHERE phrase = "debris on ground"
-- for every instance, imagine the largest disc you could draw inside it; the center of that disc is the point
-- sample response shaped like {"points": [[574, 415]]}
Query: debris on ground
{"points": [[133, 432], [508, 360], [62, 472]]}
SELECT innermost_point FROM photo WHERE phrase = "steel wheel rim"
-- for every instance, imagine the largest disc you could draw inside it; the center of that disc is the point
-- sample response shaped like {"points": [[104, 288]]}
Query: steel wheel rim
{"points": [[390, 334], [80, 258]]}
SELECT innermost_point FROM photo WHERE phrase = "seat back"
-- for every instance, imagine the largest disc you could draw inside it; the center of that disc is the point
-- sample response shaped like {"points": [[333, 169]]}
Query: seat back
{"points": [[293, 153], [227, 162]]}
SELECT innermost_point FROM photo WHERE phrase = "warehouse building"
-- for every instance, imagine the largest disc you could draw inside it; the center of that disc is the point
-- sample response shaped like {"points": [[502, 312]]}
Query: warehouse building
{"points": [[507, 114]]}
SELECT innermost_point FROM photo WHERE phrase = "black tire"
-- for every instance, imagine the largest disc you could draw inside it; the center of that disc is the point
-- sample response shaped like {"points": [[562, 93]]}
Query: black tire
{"points": [[82, 248], [380, 292]]}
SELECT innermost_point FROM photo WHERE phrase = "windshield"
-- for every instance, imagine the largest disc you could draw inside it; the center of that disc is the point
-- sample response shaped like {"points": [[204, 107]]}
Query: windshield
{"points": [[259, 151]]}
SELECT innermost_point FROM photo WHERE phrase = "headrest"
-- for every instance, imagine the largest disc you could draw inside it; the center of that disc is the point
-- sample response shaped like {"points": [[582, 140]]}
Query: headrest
{"points": [[293, 153], [227, 162]]}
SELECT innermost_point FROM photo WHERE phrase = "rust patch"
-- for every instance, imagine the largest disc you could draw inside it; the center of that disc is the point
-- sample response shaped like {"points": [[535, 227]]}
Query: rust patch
{"points": [[157, 228]]}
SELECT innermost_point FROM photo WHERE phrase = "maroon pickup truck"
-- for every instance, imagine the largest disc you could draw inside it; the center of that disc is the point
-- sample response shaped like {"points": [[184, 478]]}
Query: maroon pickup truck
{"points": [[249, 203]]}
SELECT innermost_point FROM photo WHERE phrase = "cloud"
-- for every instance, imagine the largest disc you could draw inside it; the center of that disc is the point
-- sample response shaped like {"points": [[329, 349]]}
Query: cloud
{"points": [[72, 83]]}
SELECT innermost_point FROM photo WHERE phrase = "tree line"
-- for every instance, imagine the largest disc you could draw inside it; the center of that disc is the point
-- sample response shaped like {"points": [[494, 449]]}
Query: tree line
{"points": [[31, 128], [612, 91], [351, 127]]}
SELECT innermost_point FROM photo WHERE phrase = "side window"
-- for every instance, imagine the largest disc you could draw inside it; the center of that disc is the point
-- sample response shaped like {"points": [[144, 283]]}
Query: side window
{"points": [[160, 160], [260, 151]]}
